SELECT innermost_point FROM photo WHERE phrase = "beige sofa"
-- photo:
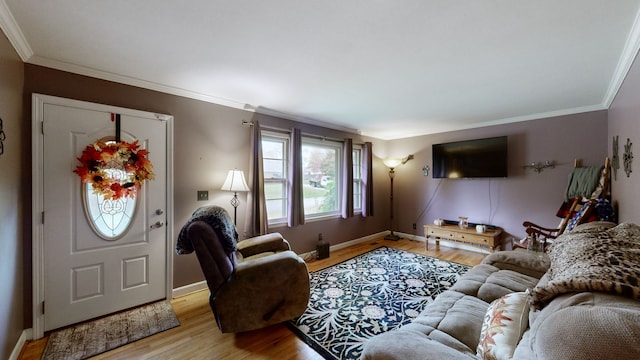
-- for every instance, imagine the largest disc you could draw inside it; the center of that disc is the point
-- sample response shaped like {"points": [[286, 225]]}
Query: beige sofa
{"points": [[578, 302]]}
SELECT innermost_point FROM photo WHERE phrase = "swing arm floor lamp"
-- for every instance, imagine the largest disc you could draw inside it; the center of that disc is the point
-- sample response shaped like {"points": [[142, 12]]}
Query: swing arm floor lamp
{"points": [[392, 163]]}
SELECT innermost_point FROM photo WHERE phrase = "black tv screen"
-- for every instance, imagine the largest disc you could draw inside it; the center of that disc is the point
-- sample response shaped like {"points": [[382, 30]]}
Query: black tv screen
{"points": [[480, 158]]}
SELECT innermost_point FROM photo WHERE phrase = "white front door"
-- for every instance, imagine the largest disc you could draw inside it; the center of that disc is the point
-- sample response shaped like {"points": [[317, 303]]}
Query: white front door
{"points": [[89, 272]]}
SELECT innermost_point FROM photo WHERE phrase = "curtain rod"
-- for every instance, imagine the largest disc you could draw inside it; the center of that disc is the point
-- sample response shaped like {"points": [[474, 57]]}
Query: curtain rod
{"points": [[281, 130], [308, 135]]}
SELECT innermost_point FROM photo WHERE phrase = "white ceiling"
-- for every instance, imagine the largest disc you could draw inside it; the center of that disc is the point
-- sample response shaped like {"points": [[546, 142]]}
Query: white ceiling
{"points": [[388, 69]]}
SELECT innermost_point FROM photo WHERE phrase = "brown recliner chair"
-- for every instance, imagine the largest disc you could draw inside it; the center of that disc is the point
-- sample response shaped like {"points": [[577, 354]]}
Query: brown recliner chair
{"points": [[254, 282]]}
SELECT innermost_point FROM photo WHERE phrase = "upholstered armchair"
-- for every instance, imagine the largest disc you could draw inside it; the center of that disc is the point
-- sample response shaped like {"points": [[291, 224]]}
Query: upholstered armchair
{"points": [[255, 282]]}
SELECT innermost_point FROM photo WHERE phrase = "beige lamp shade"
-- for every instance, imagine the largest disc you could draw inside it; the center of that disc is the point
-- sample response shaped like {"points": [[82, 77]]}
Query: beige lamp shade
{"points": [[235, 181], [392, 163]]}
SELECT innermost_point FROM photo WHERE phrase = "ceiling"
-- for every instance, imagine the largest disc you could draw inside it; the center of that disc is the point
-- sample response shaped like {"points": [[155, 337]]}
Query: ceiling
{"points": [[386, 69]]}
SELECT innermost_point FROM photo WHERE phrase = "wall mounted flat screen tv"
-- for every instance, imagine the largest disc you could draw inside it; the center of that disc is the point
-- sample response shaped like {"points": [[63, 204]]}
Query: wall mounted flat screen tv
{"points": [[479, 158]]}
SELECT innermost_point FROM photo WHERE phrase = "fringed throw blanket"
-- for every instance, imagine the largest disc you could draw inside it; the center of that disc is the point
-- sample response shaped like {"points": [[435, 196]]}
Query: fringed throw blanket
{"points": [[605, 261], [219, 220]]}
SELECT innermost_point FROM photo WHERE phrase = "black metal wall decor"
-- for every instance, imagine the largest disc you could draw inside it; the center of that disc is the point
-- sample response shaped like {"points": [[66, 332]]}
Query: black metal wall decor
{"points": [[3, 137], [627, 157]]}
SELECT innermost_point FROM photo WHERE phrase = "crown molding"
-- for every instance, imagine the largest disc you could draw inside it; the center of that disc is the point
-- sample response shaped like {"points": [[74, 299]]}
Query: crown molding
{"points": [[629, 53], [10, 27], [543, 115], [17, 39], [515, 119], [127, 80]]}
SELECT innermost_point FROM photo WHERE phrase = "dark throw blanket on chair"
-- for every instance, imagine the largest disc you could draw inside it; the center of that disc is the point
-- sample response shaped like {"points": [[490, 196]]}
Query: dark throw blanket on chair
{"points": [[219, 220], [582, 182]]}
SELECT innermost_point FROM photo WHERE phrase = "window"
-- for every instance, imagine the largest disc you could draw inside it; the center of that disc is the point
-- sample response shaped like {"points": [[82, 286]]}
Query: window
{"points": [[357, 178], [321, 177], [275, 155], [109, 219]]}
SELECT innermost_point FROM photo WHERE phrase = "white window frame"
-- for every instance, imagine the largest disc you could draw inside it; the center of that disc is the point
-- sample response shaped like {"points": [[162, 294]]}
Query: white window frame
{"points": [[337, 146], [282, 138], [357, 178]]}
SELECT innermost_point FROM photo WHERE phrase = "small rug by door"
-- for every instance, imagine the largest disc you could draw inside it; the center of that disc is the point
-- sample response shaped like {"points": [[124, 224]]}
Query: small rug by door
{"points": [[104, 334], [367, 295]]}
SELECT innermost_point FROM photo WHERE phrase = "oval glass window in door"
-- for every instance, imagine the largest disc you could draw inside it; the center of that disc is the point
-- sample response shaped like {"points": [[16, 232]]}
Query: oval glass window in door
{"points": [[109, 219]]}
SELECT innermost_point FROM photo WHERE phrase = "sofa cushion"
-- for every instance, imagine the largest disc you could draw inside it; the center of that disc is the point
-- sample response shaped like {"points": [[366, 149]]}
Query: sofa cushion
{"points": [[454, 319], [407, 345], [473, 279], [524, 262], [606, 261], [586, 325], [524, 352], [593, 227], [488, 282], [504, 282], [448, 328], [504, 323]]}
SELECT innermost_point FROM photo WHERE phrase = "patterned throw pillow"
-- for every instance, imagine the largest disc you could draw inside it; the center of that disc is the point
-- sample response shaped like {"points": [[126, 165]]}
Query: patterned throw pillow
{"points": [[504, 323]]}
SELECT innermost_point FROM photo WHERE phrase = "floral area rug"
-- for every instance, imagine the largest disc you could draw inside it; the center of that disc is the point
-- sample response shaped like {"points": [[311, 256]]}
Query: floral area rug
{"points": [[367, 295]]}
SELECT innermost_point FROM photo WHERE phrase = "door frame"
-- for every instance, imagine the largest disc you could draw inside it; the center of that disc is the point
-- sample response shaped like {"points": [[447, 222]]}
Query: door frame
{"points": [[37, 194]]}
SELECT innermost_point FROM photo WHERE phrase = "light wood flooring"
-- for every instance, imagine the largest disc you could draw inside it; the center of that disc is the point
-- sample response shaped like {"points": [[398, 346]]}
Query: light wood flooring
{"points": [[198, 336]]}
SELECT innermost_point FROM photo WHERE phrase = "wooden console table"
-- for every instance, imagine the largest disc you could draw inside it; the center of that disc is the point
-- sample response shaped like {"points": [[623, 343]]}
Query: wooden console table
{"points": [[469, 235]]}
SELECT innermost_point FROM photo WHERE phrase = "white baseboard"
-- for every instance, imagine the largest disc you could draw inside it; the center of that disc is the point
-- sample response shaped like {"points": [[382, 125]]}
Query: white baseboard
{"points": [[188, 289], [358, 241], [347, 243], [27, 334], [202, 285]]}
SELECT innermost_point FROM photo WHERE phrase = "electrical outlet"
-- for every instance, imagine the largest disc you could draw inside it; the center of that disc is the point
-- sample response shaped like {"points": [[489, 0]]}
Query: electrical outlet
{"points": [[203, 195], [414, 226]]}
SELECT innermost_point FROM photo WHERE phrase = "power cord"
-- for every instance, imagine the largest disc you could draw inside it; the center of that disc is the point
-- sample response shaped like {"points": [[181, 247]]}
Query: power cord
{"points": [[432, 197]]}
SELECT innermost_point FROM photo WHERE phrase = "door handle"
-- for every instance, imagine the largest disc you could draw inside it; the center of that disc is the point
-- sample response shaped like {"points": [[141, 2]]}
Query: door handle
{"points": [[158, 224]]}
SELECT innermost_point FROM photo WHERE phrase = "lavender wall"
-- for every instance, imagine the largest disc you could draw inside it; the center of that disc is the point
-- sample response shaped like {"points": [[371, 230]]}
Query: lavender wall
{"points": [[11, 199], [624, 122], [209, 140], [337, 230], [506, 202]]}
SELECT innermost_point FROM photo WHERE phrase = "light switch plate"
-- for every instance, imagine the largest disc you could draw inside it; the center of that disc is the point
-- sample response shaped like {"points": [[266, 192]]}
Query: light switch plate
{"points": [[203, 195]]}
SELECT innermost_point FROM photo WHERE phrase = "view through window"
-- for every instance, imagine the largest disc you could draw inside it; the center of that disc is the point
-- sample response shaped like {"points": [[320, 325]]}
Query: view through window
{"points": [[275, 155], [321, 174], [357, 178]]}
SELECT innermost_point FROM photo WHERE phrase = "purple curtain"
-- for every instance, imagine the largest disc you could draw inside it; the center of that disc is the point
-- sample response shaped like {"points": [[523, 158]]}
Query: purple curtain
{"points": [[295, 215], [367, 179], [347, 178], [257, 222]]}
